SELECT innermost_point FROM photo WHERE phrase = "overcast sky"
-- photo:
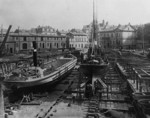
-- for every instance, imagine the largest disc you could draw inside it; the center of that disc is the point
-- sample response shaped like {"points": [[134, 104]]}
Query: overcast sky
{"points": [[67, 14]]}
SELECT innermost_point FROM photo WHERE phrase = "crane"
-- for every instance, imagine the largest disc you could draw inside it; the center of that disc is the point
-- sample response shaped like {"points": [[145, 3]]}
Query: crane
{"points": [[4, 41]]}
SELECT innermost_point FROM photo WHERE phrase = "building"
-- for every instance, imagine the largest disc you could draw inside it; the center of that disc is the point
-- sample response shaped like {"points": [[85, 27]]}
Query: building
{"points": [[88, 29], [9, 45], [118, 36], [47, 30], [62, 32], [107, 37], [143, 36], [23, 42], [78, 41]]}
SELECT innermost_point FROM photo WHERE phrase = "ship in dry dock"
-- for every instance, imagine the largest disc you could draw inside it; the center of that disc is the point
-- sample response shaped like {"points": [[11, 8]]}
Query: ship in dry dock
{"points": [[39, 72], [94, 62]]}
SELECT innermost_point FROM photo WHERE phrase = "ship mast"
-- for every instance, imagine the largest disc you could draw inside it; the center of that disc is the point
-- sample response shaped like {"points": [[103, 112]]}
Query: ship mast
{"points": [[94, 30]]}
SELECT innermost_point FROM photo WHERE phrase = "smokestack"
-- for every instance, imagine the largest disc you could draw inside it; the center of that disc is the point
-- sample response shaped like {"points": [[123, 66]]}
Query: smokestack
{"points": [[106, 23], [103, 23], [34, 53]]}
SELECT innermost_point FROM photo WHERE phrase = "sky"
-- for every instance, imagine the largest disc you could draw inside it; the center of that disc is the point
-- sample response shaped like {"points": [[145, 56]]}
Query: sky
{"points": [[68, 14]]}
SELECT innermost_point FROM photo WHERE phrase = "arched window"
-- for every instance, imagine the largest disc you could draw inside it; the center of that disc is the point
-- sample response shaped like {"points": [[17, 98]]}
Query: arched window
{"points": [[24, 46]]}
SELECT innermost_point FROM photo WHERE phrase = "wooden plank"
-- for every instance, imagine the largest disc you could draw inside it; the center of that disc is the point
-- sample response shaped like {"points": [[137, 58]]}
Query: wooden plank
{"points": [[96, 77], [145, 72], [115, 107], [112, 92], [132, 86], [114, 100], [113, 83]]}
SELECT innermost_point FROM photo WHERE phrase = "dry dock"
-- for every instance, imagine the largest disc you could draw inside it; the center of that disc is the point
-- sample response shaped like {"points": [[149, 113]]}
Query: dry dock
{"points": [[67, 99]]}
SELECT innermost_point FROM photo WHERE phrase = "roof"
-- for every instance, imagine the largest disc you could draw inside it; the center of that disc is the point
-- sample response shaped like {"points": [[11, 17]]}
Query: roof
{"points": [[34, 35], [77, 34], [128, 27], [108, 29]]}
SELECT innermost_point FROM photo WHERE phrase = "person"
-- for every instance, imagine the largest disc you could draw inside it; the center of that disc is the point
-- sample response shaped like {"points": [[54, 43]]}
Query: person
{"points": [[84, 57], [88, 92], [120, 48], [81, 57]]}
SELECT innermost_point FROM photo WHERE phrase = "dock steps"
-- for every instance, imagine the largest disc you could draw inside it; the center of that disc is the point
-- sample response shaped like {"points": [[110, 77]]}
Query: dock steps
{"points": [[113, 98]]}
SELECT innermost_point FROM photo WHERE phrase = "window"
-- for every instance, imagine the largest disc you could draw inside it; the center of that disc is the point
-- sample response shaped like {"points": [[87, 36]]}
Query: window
{"points": [[41, 38], [17, 44], [108, 35], [24, 46], [81, 45], [43, 45], [25, 38], [112, 35], [118, 35]]}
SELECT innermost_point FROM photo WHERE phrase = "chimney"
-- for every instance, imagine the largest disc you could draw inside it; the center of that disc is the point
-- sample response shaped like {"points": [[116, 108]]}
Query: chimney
{"points": [[34, 53], [106, 23], [103, 23]]}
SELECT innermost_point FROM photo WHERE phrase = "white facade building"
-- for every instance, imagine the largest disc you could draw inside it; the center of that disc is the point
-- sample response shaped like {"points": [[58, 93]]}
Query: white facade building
{"points": [[78, 41]]}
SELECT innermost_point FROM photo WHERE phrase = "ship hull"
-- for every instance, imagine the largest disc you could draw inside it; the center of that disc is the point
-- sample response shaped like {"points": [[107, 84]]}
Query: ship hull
{"points": [[94, 69], [50, 79]]}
